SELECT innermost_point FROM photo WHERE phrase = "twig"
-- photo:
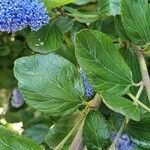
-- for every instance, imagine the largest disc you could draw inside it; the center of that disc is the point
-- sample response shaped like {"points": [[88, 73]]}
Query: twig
{"points": [[144, 70], [61, 144], [77, 142], [138, 102], [139, 91]]}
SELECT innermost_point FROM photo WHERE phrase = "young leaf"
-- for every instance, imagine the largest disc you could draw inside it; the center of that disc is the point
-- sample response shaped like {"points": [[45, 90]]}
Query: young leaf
{"points": [[95, 131], [101, 61], [140, 131], [135, 15], [12, 141], [49, 83], [59, 131], [123, 106], [49, 38]]}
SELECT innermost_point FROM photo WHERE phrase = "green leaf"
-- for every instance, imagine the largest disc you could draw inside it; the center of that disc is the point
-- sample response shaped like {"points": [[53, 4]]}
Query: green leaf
{"points": [[135, 15], [109, 7], [50, 4], [37, 133], [61, 129], [12, 141], [140, 131], [101, 61], [95, 131], [123, 106], [49, 38], [49, 83]]}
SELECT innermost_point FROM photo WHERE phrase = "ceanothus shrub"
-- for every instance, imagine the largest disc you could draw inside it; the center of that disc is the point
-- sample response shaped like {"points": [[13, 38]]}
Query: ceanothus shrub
{"points": [[74, 74]]}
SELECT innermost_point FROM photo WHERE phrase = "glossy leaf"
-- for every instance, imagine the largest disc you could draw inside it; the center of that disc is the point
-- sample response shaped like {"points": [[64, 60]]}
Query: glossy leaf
{"points": [[95, 131], [101, 61], [49, 83], [123, 106], [12, 141], [135, 15], [49, 38]]}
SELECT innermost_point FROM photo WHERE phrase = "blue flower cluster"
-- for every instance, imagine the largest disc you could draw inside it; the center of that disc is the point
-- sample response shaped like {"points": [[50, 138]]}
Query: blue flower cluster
{"points": [[18, 14], [124, 142], [89, 92], [17, 99]]}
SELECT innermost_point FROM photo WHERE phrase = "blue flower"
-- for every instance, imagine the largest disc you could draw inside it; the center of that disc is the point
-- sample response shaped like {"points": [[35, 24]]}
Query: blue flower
{"points": [[123, 143], [17, 99], [89, 92], [18, 14]]}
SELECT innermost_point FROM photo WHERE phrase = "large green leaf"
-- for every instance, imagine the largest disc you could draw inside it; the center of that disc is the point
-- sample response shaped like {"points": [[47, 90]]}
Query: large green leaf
{"points": [[135, 15], [12, 141], [109, 7], [95, 131], [61, 129], [102, 62], [49, 38], [140, 131], [123, 106], [49, 83]]}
